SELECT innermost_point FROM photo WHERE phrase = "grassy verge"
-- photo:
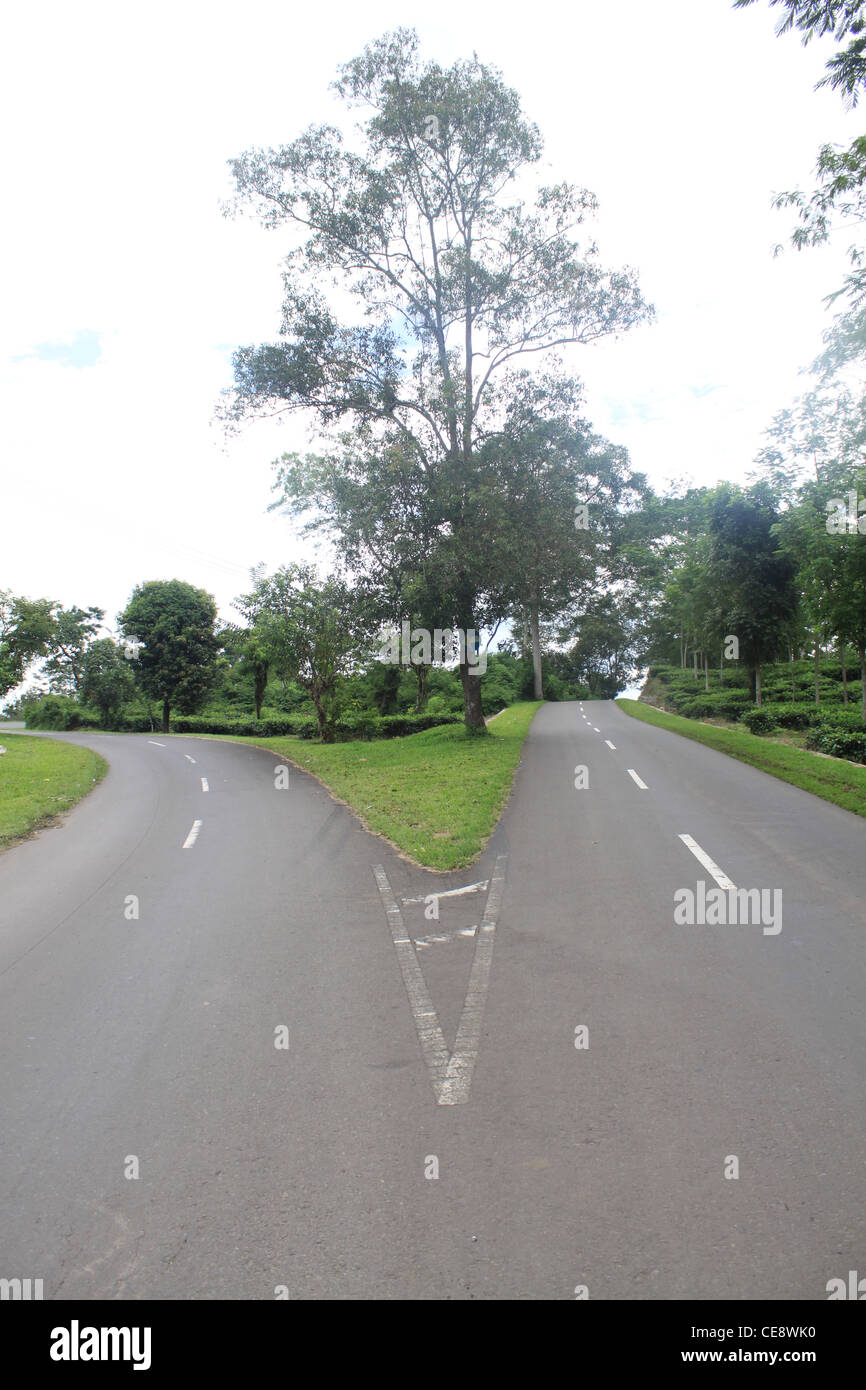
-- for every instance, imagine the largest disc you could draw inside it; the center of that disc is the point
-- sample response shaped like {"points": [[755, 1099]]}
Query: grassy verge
{"points": [[436, 795], [830, 778], [39, 779]]}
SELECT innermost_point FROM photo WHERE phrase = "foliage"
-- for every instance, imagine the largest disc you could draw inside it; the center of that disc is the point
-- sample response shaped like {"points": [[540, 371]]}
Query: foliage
{"points": [[26, 626], [177, 663]]}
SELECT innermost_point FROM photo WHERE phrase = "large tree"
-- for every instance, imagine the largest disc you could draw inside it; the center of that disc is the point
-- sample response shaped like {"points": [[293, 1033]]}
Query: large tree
{"points": [[452, 283], [106, 679], [26, 627], [311, 631], [560, 491], [752, 572], [176, 664], [839, 199], [839, 19], [74, 632]]}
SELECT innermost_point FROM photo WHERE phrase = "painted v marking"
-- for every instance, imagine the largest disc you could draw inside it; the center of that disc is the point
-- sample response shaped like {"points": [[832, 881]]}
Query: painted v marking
{"points": [[450, 1073]]}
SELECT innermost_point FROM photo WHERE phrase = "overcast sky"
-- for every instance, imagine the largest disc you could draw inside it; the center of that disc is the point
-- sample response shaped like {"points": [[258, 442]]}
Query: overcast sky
{"points": [[124, 290]]}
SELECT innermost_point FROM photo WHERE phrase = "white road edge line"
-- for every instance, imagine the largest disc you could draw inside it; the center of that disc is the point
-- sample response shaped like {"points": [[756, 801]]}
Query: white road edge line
{"points": [[451, 1076], [610, 745], [155, 744], [204, 785], [709, 864], [188, 758], [193, 835], [633, 775]]}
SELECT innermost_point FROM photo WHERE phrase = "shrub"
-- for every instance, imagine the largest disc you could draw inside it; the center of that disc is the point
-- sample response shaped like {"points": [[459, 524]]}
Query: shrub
{"points": [[789, 716], [214, 724], [58, 712], [758, 721], [838, 741]]}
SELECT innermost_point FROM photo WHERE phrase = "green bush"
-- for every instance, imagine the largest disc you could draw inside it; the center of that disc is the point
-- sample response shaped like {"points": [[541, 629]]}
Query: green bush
{"points": [[838, 741], [790, 716], [58, 712], [719, 704], [360, 724], [758, 721], [214, 724]]}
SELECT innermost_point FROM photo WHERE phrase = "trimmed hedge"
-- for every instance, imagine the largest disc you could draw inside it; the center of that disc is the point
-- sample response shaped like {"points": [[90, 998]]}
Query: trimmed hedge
{"points": [[364, 724], [214, 724], [758, 721], [838, 741], [789, 716]]}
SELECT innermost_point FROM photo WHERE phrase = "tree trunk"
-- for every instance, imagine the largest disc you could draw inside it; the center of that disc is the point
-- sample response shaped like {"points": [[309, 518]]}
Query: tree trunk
{"points": [[706, 672], [817, 687], [166, 712], [422, 675], [538, 692], [844, 676], [261, 686], [758, 685], [753, 691], [326, 728], [473, 712], [695, 662], [722, 666], [863, 679]]}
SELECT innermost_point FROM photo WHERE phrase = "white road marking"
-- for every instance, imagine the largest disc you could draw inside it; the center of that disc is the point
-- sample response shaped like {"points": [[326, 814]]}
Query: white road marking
{"points": [[430, 1037], [449, 892], [155, 744], [193, 835], [451, 1075], [188, 758], [458, 1078], [444, 936], [633, 775], [610, 745], [709, 864], [204, 785], [595, 730]]}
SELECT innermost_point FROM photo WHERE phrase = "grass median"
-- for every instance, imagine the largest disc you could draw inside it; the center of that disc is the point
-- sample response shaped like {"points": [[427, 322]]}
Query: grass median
{"points": [[436, 795], [833, 779], [39, 779]]}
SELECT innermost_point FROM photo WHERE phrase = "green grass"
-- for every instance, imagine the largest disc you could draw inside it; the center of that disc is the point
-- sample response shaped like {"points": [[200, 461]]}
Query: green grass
{"points": [[436, 795], [832, 779], [40, 778]]}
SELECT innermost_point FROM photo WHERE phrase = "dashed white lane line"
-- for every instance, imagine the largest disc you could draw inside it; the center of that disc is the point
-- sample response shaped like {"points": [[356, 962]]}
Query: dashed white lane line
{"points": [[155, 744], [193, 835], [610, 745], [595, 730], [709, 864], [188, 758], [204, 785], [634, 777]]}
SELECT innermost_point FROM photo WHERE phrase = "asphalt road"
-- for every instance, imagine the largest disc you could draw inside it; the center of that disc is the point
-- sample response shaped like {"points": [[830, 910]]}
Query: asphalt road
{"points": [[411, 1038]]}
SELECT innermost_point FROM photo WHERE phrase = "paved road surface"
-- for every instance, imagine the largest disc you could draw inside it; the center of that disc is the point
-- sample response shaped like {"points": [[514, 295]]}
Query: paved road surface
{"points": [[602, 1166]]}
